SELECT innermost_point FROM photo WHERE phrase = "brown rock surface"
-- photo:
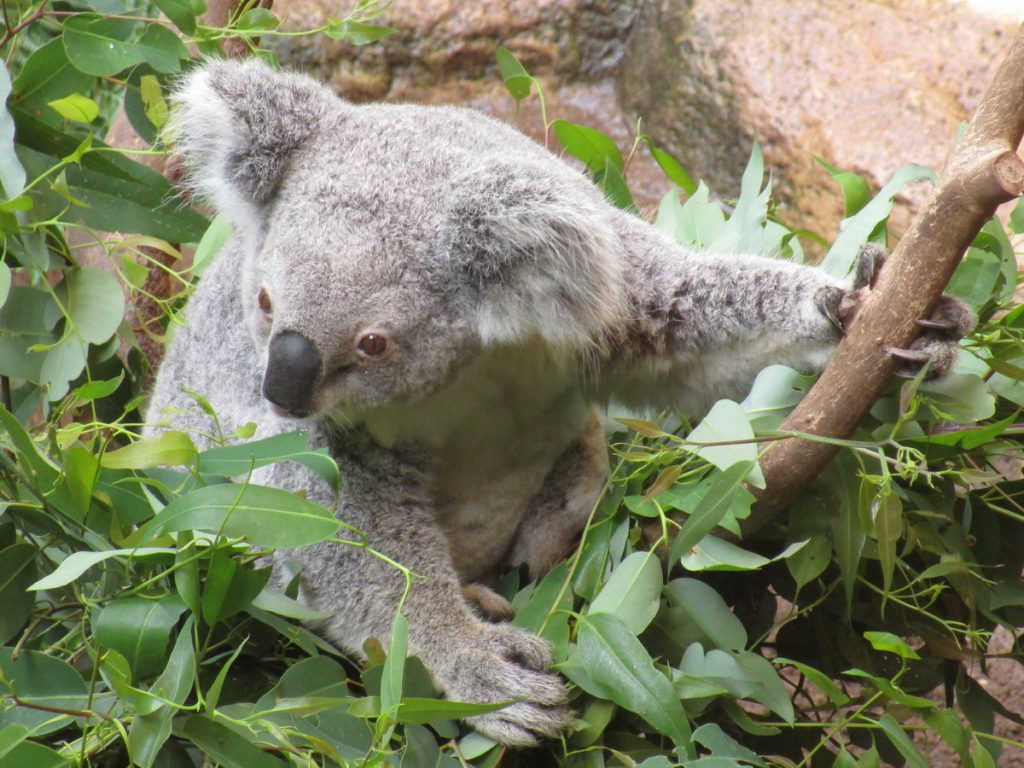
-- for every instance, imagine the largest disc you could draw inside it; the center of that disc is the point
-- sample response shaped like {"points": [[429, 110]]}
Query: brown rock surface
{"points": [[868, 86]]}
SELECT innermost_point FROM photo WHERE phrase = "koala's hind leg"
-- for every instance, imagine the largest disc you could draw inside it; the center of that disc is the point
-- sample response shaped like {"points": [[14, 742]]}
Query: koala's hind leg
{"points": [[559, 511]]}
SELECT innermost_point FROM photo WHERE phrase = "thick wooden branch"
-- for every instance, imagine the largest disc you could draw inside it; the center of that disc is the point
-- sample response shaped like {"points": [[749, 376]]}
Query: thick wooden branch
{"points": [[982, 172]]}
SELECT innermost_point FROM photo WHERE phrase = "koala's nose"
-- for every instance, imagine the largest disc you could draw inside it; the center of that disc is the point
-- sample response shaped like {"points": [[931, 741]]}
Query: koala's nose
{"points": [[293, 369]]}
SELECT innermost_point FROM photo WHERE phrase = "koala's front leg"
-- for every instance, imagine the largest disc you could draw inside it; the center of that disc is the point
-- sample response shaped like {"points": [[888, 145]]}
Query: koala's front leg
{"points": [[701, 325], [470, 659]]}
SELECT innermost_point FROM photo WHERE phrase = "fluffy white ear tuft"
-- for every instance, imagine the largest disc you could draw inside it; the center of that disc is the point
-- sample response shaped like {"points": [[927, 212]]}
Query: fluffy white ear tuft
{"points": [[236, 124], [544, 264]]}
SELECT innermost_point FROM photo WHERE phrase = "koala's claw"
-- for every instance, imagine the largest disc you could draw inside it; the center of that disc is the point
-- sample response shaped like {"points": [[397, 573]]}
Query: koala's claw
{"points": [[910, 355], [511, 665], [938, 325]]}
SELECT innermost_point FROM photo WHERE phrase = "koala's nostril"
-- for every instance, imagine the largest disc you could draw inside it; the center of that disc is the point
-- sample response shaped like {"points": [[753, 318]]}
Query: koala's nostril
{"points": [[294, 366]]}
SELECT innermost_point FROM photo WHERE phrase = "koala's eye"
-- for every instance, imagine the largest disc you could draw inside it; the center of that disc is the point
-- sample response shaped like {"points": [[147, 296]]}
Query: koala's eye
{"points": [[263, 299], [373, 344]]}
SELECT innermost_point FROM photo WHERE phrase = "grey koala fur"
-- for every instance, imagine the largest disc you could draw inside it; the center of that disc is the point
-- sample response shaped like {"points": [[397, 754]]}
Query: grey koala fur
{"points": [[506, 300]]}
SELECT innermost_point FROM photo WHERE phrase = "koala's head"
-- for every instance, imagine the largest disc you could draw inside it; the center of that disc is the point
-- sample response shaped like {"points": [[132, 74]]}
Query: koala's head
{"points": [[387, 246]]}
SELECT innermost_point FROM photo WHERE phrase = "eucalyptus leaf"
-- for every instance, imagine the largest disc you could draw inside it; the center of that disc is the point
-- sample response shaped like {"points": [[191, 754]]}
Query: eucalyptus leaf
{"points": [[265, 516], [139, 629], [623, 672], [632, 592]]}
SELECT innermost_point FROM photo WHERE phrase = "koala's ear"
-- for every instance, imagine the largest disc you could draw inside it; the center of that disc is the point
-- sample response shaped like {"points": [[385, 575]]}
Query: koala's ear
{"points": [[545, 261], [236, 124]]}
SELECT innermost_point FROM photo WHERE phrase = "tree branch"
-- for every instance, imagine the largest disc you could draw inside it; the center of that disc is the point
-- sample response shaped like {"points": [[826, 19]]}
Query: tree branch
{"points": [[982, 172]]}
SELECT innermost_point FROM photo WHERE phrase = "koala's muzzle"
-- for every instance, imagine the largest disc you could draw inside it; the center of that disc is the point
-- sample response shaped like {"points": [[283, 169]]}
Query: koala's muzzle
{"points": [[293, 370]]}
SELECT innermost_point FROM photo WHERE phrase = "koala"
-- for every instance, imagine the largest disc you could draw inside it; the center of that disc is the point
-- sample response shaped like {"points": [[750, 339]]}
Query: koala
{"points": [[445, 305]]}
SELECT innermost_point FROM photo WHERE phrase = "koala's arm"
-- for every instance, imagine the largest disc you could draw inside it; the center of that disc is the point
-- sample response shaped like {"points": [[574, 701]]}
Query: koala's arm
{"points": [[700, 326], [470, 659]]}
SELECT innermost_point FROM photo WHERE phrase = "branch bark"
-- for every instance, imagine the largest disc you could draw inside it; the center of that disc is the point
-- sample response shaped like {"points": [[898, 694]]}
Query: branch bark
{"points": [[982, 172]]}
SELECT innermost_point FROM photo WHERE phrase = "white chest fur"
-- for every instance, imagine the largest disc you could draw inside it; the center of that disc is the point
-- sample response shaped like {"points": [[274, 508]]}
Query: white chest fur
{"points": [[491, 438]]}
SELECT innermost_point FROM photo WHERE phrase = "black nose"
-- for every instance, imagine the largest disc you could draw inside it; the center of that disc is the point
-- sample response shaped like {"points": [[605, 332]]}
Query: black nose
{"points": [[293, 369]]}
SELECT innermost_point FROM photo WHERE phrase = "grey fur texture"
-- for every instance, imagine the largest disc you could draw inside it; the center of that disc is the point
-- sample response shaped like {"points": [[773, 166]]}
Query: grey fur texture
{"points": [[464, 299]]}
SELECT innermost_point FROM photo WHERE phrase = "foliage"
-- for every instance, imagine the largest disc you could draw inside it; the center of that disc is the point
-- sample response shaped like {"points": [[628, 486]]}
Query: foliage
{"points": [[138, 621]]}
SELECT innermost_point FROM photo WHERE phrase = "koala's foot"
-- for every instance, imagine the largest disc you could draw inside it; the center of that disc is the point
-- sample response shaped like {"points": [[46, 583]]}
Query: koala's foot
{"points": [[938, 343], [488, 603], [508, 664]]}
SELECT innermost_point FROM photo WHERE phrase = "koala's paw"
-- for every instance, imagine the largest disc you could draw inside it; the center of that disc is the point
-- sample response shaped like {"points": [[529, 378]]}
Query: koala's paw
{"points": [[938, 343], [509, 664]]}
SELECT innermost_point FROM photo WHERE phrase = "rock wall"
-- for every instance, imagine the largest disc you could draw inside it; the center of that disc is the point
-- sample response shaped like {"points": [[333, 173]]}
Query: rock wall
{"points": [[867, 86]]}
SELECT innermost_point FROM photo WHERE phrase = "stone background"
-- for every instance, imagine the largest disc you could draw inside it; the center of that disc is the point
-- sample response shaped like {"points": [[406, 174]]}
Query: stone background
{"points": [[866, 85]]}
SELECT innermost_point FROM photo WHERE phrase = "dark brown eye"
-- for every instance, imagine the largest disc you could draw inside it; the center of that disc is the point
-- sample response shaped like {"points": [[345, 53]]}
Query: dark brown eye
{"points": [[263, 299], [373, 344]]}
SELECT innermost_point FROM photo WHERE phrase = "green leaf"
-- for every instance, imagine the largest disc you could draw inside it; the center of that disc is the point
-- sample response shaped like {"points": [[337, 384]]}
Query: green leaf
{"points": [[847, 535], [182, 13], [975, 278], [856, 192], [856, 231], [12, 175], [267, 517], [139, 629], [727, 422], [810, 562], [824, 683], [588, 145], [517, 80], [29, 753], [902, 742], [890, 643], [168, 448], [76, 108], [42, 680], [17, 570], [708, 612], [237, 460], [963, 397], [257, 20], [544, 601], [62, 363], [5, 283], [216, 235], [744, 230], [95, 303], [673, 170], [394, 666], [77, 563], [153, 100], [229, 588], [47, 75], [714, 554], [632, 592], [275, 602], [422, 711], [223, 746], [356, 32], [723, 746], [621, 670], [614, 186], [151, 727], [104, 46], [713, 506], [888, 518]]}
